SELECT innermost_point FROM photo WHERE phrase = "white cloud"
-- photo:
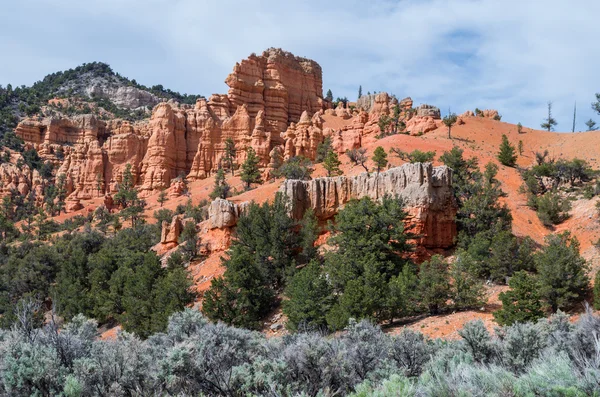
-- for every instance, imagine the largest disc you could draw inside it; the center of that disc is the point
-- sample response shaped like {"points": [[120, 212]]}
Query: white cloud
{"points": [[510, 55]]}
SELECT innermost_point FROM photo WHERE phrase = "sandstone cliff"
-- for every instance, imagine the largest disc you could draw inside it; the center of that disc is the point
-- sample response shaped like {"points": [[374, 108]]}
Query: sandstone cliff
{"points": [[267, 93], [426, 191]]}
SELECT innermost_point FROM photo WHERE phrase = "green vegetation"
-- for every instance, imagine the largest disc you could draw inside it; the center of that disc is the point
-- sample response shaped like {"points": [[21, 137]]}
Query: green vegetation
{"points": [[195, 357], [322, 150], [221, 188], [507, 155], [549, 122], [250, 172], [266, 250], [110, 279], [296, 168], [449, 121], [416, 156], [379, 158], [229, 155], [522, 303], [332, 164]]}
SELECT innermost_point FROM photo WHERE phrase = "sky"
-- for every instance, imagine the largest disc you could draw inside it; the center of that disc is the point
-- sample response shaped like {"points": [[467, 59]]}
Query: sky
{"points": [[509, 55]]}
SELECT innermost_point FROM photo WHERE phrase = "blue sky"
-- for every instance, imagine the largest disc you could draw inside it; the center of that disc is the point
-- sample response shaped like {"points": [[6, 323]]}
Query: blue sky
{"points": [[509, 55]]}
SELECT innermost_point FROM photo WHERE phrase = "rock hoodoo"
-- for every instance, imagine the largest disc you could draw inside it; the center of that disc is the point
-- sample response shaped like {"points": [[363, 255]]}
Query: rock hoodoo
{"points": [[426, 191], [267, 92]]}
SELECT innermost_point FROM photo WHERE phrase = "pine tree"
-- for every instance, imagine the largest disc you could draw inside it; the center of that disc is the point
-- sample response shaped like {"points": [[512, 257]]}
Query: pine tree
{"points": [[359, 91], [520, 147], [562, 271], [162, 197], [591, 125], [434, 285], [549, 122], [221, 188], [310, 298], [230, 154], [332, 164], [522, 302], [519, 128], [250, 171], [597, 291], [329, 96], [507, 155], [379, 158], [449, 121]]}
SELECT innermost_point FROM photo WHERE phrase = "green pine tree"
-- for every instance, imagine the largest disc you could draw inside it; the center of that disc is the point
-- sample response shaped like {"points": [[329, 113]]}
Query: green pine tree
{"points": [[507, 155], [449, 121], [562, 271], [522, 302], [221, 188], [230, 155], [250, 172], [434, 285], [332, 164], [379, 158], [597, 291], [310, 298]]}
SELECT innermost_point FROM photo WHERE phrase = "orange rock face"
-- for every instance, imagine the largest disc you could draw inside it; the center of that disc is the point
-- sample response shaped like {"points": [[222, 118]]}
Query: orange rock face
{"points": [[266, 94], [278, 83]]}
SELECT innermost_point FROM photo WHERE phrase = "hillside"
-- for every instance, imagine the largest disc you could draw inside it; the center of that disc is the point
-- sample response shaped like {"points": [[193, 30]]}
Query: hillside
{"points": [[102, 152]]}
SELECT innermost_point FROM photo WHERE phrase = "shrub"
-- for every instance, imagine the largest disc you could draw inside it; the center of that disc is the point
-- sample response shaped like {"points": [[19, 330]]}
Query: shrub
{"points": [[296, 168], [552, 209], [416, 156]]}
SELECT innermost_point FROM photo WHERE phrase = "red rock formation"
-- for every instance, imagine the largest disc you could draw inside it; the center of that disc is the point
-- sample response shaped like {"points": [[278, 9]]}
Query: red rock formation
{"points": [[278, 83], [427, 192], [266, 93]]}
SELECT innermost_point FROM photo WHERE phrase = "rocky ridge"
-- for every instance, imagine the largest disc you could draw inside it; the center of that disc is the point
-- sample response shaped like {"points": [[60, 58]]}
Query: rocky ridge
{"points": [[426, 191]]}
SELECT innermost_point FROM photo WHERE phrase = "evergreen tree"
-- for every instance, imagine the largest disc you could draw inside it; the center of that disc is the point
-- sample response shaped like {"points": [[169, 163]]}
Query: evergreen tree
{"points": [[310, 298], [562, 271], [449, 121], [522, 302], [384, 123], [591, 125], [332, 164], [162, 197], [369, 239], [466, 291], [359, 91], [597, 291], [520, 147], [230, 155], [379, 158], [519, 128], [549, 122], [250, 171], [188, 241], [329, 96], [127, 198], [221, 188], [596, 105], [434, 286], [266, 250], [507, 155], [322, 150]]}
